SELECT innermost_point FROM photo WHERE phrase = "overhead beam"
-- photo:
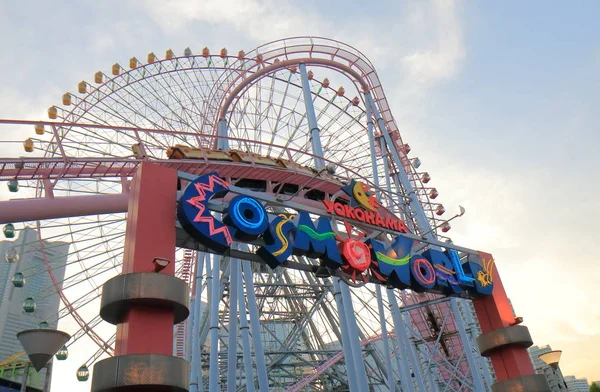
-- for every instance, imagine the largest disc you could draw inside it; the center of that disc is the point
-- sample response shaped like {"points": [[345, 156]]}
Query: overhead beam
{"points": [[22, 210]]}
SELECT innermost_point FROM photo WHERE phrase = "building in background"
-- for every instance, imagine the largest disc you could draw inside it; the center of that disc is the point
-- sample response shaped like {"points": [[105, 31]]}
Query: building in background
{"points": [[554, 377], [577, 384], [40, 294]]}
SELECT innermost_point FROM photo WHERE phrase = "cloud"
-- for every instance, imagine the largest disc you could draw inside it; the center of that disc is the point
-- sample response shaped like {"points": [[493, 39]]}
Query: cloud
{"points": [[579, 356], [422, 45], [440, 59], [260, 20], [426, 55], [547, 272]]}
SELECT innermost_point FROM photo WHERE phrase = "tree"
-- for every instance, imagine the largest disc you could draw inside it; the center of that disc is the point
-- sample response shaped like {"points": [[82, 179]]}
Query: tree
{"points": [[595, 387]]}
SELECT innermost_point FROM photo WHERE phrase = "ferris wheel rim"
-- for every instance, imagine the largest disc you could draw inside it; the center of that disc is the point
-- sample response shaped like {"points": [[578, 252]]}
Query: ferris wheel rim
{"points": [[72, 311]]}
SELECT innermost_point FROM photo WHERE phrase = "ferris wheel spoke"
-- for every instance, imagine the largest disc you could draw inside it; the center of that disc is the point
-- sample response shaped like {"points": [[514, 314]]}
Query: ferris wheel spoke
{"points": [[195, 110], [79, 260], [136, 116], [98, 353], [136, 113], [81, 332], [279, 113], [98, 269], [292, 136], [240, 129], [165, 105], [86, 298]]}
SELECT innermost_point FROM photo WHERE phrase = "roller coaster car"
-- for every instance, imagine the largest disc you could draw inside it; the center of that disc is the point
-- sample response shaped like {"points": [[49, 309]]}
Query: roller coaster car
{"points": [[213, 155], [177, 152], [284, 163], [184, 152]]}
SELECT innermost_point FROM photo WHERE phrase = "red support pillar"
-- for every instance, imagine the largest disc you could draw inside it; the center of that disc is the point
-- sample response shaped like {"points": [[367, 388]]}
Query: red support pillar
{"points": [[145, 302], [503, 340], [150, 233]]}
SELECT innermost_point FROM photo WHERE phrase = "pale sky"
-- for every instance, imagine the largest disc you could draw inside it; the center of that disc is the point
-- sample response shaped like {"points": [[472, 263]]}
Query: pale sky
{"points": [[498, 100]]}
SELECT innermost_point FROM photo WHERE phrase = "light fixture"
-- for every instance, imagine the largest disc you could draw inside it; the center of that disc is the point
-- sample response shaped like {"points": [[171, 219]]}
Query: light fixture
{"points": [[518, 320], [330, 167], [42, 344], [551, 358], [160, 264], [445, 225]]}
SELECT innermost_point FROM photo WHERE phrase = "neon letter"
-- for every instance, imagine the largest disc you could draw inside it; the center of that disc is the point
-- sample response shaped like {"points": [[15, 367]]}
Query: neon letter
{"points": [[422, 272], [248, 216], [278, 242], [460, 273], [394, 260], [446, 276], [317, 242], [196, 219]]}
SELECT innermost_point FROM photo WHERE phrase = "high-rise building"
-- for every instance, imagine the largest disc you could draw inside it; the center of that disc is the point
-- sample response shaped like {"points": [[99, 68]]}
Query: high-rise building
{"points": [[577, 384], [554, 376], [37, 290]]}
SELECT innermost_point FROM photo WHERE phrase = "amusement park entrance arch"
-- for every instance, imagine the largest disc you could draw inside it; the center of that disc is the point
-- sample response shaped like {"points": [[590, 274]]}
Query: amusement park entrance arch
{"points": [[145, 319]]}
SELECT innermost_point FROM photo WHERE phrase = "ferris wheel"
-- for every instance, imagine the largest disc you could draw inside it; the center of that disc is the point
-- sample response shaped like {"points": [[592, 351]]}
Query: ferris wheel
{"points": [[169, 110]]}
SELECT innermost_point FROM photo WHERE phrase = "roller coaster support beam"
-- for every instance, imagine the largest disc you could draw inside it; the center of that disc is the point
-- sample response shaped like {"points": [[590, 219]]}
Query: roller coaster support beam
{"points": [[261, 367], [348, 322], [359, 363], [23, 210], [315, 138], [244, 331], [222, 142], [414, 203], [234, 266], [346, 298], [196, 371], [384, 338], [25, 377], [213, 369], [346, 345], [405, 348], [475, 369]]}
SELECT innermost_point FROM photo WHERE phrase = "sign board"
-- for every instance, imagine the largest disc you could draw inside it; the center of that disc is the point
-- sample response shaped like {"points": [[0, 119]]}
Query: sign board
{"points": [[391, 263]]}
